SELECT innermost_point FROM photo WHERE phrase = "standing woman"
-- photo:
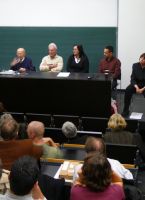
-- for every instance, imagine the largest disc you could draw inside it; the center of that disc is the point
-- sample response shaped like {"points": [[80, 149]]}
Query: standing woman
{"points": [[78, 61]]}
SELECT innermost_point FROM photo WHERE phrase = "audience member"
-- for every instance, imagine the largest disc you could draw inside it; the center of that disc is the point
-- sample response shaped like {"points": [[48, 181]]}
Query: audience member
{"points": [[24, 180], [22, 134], [97, 145], [21, 62], [52, 62], [137, 83], [70, 132], [4, 181], [116, 133], [111, 65], [78, 61], [5, 117], [95, 179], [35, 132], [8, 127]]}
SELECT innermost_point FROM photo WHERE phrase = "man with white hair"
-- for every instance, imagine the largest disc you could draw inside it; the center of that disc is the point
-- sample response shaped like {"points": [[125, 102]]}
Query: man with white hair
{"points": [[22, 63], [52, 62]]}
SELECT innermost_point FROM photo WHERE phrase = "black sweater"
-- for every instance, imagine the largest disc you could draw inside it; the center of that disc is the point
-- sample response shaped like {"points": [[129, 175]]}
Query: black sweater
{"points": [[82, 66], [138, 75]]}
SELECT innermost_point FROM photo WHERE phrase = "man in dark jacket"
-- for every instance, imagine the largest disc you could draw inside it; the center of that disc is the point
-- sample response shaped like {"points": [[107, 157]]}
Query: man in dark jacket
{"points": [[137, 84], [22, 63]]}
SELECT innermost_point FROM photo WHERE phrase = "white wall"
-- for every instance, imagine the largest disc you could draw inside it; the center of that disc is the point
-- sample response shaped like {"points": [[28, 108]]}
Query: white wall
{"points": [[131, 35], [58, 13], [89, 13]]}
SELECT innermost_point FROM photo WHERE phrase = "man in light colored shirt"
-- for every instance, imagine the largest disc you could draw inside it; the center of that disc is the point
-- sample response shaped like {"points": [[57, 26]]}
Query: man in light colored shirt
{"points": [[52, 62], [97, 145]]}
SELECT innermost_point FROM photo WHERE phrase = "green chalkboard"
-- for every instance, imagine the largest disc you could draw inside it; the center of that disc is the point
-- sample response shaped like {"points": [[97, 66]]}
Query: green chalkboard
{"points": [[36, 39]]}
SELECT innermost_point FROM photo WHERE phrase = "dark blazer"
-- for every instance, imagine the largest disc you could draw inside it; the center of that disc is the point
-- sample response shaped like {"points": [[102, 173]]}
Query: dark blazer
{"points": [[82, 66], [26, 63], [141, 145], [138, 75], [119, 137], [76, 140], [52, 189]]}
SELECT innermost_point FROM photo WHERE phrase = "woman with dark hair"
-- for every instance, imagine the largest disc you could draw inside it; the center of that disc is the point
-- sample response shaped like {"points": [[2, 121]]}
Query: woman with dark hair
{"points": [[78, 61], [95, 180]]}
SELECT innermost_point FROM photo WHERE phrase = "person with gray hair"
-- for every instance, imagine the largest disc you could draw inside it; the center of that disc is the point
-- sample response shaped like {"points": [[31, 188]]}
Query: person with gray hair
{"points": [[70, 132], [8, 127], [52, 62], [4, 117]]}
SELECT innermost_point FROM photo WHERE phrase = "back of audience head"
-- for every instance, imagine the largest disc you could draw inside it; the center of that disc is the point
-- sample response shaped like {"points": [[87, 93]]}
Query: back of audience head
{"points": [[35, 129], [9, 129], [117, 122], [96, 172], [69, 130], [95, 145], [5, 117], [24, 175]]}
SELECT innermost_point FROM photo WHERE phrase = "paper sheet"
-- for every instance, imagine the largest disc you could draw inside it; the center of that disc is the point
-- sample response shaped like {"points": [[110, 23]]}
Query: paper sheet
{"points": [[8, 72], [63, 74], [135, 115], [56, 176]]}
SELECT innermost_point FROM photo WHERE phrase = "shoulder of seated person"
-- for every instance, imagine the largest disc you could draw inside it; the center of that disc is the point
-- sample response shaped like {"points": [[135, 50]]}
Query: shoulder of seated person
{"points": [[46, 139]]}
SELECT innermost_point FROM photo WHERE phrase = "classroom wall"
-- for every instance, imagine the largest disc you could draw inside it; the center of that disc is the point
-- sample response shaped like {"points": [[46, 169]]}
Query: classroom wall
{"points": [[131, 35], [36, 39], [93, 13], [34, 24], [128, 15]]}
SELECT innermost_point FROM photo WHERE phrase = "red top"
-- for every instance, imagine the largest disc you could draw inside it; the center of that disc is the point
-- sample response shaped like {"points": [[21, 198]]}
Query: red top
{"points": [[113, 65], [113, 192]]}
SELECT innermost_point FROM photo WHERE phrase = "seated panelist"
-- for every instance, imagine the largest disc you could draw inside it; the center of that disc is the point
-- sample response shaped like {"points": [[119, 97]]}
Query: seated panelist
{"points": [[52, 62], [110, 64], [21, 62], [137, 83], [78, 61]]}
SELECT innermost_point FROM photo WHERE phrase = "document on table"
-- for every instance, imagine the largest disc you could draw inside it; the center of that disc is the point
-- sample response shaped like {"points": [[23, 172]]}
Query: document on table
{"points": [[135, 115], [63, 74], [8, 72], [56, 176]]}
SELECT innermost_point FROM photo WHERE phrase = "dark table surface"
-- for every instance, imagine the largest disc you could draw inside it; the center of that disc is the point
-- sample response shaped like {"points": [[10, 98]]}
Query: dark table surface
{"points": [[41, 92]]}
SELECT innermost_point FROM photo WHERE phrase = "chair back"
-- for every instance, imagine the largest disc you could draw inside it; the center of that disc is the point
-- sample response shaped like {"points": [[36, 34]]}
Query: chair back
{"points": [[126, 154], [12, 150]]}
